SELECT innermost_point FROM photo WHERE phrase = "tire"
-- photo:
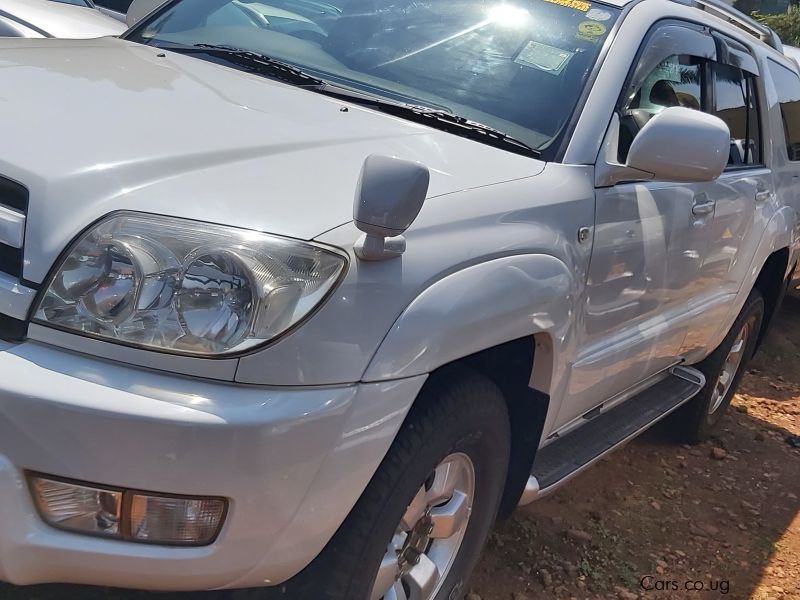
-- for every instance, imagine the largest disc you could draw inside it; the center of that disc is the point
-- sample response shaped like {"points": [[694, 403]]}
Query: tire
{"points": [[458, 413], [701, 415]]}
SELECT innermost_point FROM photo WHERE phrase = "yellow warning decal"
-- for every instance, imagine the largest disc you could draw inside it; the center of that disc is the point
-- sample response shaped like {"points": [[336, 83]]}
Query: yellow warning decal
{"points": [[576, 4]]}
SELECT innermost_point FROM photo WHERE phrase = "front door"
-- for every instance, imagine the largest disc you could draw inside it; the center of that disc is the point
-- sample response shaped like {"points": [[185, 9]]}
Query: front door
{"points": [[665, 255]]}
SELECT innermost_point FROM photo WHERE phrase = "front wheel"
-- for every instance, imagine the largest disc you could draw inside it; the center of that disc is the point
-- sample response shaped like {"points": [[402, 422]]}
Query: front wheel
{"points": [[430, 534], [723, 370], [420, 526]]}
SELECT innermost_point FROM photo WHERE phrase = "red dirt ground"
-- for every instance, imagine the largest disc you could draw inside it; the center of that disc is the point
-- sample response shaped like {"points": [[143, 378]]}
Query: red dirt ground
{"points": [[724, 514]]}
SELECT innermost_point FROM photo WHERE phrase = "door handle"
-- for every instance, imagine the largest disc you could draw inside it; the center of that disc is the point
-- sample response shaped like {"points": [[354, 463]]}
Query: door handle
{"points": [[763, 195], [702, 205], [762, 191]]}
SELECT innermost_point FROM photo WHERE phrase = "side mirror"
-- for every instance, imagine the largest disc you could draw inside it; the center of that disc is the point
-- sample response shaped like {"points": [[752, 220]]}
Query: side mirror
{"points": [[139, 9], [389, 196], [683, 145]]}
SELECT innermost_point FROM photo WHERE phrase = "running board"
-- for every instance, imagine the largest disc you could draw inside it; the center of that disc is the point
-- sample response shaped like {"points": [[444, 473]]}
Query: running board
{"points": [[563, 459]]}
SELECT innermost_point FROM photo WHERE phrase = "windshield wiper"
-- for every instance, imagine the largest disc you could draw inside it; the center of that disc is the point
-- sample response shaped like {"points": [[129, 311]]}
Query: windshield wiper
{"points": [[433, 117], [474, 130], [254, 62], [426, 115]]}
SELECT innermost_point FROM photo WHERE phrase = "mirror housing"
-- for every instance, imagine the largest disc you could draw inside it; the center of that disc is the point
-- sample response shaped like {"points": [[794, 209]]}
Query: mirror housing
{"points": [[139, 9], [682, 145], [389, 196]]}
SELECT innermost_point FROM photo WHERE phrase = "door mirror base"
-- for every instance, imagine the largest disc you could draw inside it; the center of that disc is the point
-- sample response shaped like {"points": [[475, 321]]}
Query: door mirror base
{"points": [[373, 247], [608, 171], [614, 173]]}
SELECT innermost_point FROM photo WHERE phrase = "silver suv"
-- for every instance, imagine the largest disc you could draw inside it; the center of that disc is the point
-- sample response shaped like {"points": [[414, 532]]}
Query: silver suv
{"points": [[304, 294]]}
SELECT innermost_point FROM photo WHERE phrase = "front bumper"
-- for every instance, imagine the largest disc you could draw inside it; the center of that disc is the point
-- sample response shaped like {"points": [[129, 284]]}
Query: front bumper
{"points": [[291, 461]]}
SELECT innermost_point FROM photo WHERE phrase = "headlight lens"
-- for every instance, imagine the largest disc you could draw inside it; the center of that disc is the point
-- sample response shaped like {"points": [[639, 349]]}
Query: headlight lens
{"points": [[186, 287]]}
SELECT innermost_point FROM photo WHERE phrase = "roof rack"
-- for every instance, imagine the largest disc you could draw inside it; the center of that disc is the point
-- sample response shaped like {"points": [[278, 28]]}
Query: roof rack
{"points": [[727, 13]]}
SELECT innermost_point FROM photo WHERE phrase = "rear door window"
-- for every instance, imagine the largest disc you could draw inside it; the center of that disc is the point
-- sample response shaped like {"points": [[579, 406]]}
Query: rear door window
{"points": [[787, 84]]}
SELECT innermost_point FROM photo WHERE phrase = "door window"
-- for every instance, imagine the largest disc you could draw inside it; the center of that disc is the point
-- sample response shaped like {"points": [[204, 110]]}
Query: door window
{"points": [[678, 80], [701, 71], [787, 84], [735, 103]]}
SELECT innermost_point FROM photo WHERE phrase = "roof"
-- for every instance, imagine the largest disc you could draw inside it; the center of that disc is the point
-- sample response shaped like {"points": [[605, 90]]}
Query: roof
{"points": [[724, 11], [62, 20]]}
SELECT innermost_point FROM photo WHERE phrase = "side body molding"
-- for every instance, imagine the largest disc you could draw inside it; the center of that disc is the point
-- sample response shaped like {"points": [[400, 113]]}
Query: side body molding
{"points": [[476, 308]]}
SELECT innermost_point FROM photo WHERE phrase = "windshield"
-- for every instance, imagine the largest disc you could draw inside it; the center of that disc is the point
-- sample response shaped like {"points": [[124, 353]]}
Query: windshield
{"points": [[517, 67]]}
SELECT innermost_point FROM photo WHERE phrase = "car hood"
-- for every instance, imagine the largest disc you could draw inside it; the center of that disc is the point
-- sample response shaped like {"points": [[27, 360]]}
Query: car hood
{"points": [[94, 126]]}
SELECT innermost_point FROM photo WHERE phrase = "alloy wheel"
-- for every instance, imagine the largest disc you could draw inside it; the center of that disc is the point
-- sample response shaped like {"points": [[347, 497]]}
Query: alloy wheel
{"points": [[429, 535], [731, 366]]}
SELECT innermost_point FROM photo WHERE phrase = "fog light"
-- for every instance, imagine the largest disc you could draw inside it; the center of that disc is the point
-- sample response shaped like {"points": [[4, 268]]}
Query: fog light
{"points": [[177, 520], [129, 515], [79, 508]]}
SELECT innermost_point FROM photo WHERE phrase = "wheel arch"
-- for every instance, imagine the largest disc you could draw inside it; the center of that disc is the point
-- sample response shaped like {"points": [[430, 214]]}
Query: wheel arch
{"points": [[508, 319], [509, 367], [481, 307], [772, 282], [772, 266]]}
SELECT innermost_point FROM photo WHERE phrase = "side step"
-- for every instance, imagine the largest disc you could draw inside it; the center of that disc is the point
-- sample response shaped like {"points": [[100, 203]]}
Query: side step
{"points": [[563, 459]]}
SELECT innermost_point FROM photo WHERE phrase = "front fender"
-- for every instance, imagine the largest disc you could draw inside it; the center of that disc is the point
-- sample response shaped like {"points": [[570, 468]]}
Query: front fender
{"points": [[477, 308]]}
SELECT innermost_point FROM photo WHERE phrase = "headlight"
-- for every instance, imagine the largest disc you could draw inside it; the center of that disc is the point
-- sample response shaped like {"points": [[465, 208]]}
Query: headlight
{"points": [[186, 287]]}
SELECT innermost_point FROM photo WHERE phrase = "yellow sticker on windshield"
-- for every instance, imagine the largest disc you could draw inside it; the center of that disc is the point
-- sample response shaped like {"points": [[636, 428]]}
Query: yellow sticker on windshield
{"points": [[576, 4], [591, 30]]}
